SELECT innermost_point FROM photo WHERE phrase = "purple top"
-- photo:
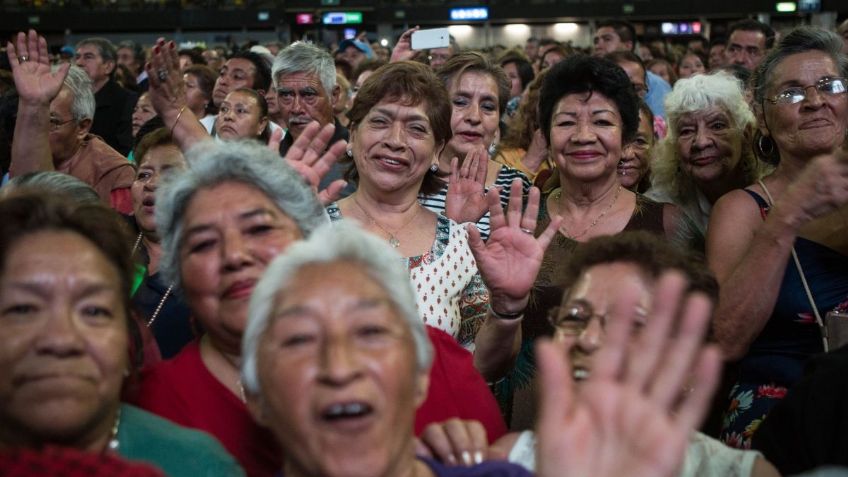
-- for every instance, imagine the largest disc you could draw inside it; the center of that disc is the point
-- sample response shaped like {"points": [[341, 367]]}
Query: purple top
{"points": [[491, 468]]}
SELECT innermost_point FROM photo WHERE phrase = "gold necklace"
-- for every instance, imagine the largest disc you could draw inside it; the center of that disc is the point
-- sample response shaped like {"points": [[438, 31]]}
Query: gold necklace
{"points": [[232, 363], [393, 240], [164, 297], [562, 228]]}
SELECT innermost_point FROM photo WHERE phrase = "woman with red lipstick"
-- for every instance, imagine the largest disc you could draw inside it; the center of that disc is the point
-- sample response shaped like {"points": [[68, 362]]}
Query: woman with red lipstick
{"points": [[163, 311], [708, 151], [478, 90], [400, 120], [779, 247], [588, 112]]}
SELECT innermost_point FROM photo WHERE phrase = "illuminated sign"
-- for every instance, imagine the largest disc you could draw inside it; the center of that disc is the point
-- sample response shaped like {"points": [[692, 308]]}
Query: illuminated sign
{"points": [[466, 14], [304, 19], [342, 18], [681, 28], [786, 7]]}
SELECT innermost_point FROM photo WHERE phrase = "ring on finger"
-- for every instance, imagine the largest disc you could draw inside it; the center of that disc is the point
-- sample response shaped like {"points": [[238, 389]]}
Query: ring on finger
{"points": [[526, 231], [23, 58], [162, 74]]}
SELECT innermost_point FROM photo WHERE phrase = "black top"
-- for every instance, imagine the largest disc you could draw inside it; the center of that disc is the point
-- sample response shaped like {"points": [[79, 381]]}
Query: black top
{"points": [[113, 116], [807, 429], [338, 169]]}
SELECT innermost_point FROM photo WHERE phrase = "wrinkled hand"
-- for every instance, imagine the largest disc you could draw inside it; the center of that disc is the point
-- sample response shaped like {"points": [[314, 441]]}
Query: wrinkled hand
{"points": [[454, 442], [509, 261], [167, 93], [467, 197], [821, 188], [537, 152], [403, 48], [35, 82], [312, 159], [629, 417]]}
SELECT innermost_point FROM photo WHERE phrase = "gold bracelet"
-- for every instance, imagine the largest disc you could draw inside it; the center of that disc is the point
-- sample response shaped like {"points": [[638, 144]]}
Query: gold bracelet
{"points": [[179, 115]]}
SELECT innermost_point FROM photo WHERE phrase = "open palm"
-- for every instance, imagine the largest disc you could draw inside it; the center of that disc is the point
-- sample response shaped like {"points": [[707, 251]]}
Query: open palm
{"points": [[467, 197], [34, 80]]}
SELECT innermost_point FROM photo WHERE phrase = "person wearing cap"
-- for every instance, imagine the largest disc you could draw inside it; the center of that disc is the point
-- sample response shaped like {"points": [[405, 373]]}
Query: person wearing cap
{"points": [[355, 52]]}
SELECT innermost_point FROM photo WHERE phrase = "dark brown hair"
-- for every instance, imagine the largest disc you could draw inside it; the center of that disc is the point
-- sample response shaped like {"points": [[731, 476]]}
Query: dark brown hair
{"points": [[408, 83], [469, 61]]}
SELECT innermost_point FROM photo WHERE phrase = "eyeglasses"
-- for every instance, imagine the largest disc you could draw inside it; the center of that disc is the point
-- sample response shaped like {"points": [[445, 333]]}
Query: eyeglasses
{"points": [[573, 318], [796, 94], [56, 123]]}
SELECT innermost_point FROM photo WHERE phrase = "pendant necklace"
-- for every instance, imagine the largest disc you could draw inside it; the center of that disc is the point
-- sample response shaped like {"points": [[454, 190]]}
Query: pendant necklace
{"points": [[564, 231], [393, 240], [164, 297]]}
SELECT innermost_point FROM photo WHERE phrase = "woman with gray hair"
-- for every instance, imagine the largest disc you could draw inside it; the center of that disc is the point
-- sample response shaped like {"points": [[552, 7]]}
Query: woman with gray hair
{"points": [[337, 380], [770, 306], [707, 152], [221, 222]]}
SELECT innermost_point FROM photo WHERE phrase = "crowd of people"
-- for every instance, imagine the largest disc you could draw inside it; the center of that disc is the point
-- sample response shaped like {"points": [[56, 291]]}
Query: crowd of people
{"points": [[627, 259]]}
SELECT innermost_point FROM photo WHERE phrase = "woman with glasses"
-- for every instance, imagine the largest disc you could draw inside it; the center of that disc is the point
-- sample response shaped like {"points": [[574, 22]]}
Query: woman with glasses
{"points": [[779, 247]]}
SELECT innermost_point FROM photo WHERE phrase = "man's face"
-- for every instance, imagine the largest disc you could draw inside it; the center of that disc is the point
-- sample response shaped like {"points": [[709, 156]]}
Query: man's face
{"points": [[127, 58], [302, 99], [65, 132], [88, 58], [607, 41], [531, 49], [637, 77], [746, 48], [236, 73], [439, 56]]}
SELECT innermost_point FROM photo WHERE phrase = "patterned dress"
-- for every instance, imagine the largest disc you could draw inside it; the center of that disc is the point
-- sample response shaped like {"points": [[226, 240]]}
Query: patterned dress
{"points": [[450, 293], [776, 359]]}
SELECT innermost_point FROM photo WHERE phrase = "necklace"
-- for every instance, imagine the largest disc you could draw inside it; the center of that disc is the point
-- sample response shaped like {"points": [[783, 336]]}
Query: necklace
{"points": [[393, 240], [164, 297], [564, 231], [239, 384], [114, 443]]}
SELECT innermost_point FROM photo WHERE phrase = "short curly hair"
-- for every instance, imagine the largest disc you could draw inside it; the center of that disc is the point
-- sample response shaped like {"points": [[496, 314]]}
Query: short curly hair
{"points": [[579, 74]]}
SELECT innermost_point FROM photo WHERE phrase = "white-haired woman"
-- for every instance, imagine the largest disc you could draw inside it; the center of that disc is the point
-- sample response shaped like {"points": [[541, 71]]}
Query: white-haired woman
{"points": [[337, 380], [707, 152]]}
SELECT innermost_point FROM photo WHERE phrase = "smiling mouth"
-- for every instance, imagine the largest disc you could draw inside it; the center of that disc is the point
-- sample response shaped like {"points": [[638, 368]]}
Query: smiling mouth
{"points": [[580, 373]]}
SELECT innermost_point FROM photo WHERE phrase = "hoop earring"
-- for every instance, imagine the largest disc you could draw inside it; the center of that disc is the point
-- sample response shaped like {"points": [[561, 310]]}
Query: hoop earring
{"points": [[765, 146]]}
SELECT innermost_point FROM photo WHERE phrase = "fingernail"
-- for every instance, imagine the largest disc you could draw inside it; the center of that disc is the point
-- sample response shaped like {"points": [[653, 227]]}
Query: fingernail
{"points": [[172, 45], [466, 458], [451, 459], [478, 457], [156, 49]]}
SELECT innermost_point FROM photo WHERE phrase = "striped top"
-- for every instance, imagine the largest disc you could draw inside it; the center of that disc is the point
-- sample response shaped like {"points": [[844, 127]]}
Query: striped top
{"points": [[436, 202]]}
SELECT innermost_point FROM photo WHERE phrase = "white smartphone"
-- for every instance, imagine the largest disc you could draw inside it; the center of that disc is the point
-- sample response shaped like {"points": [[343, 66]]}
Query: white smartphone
{"points": [[431, 38]]}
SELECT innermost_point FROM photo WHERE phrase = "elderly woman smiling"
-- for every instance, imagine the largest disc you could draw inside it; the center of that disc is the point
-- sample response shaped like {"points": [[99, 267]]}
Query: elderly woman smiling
{"points": [[337, 379], [765, 239]]}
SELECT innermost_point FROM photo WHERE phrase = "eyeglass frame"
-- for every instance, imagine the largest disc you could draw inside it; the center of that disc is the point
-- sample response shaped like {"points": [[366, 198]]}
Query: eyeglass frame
{"points": [[56, 123], [818, 84], [557, 322]]}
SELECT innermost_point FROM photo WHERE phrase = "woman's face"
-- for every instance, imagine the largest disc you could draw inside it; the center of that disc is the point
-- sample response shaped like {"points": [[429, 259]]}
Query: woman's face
{"points": [[635, 160], [359, 82], [240, 117], [231, 231], [690, 65], [709, 144], [475, 115], [393, 147], [816, 125], [588, 307], [586, 132], [511, 70], [63, 342], [339, 375], [142, 113], [551, 58], [156, 163], [196, 99]]}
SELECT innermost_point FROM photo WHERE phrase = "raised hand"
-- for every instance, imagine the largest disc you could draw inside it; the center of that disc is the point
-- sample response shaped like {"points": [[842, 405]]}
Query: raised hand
{"points": [[167, 87], [403, 48], [509, 261], [312, 159], [30, 61], [467, 197], [630, 416], [821, 188], [454, 442]]}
